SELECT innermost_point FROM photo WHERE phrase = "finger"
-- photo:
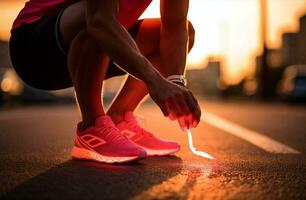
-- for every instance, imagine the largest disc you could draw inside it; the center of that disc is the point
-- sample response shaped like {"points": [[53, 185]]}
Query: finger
{"points": [[185, 122], [163, 107], [175, 106], [183, 105], [182, 123], [195, 109], [187, 114], [196, 117], [191, 101], [169, 107], [171, 117], [186, 119], [190, 121], [196, 101]]}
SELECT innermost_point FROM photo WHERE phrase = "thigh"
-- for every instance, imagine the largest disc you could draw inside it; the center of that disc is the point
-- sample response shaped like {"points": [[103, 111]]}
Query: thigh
{"points": [[148, 36], [38, 60], [72, 21]]}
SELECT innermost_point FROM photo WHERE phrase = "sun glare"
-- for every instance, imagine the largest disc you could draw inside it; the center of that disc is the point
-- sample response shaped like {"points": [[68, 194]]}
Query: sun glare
{"points": [[225, 29], [230, 30]]}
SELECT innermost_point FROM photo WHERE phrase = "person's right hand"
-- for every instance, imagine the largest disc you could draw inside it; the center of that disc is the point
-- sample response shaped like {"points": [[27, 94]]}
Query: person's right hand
{"points": [[176, 102]]}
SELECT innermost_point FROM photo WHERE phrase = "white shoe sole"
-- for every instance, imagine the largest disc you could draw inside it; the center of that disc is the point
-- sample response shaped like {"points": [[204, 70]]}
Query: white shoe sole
{"points": [[154, 152], [81, 153]]}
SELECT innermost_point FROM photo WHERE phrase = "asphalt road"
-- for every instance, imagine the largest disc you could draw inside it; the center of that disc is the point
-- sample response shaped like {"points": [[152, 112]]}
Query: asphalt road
{"points": [[35, 160]]}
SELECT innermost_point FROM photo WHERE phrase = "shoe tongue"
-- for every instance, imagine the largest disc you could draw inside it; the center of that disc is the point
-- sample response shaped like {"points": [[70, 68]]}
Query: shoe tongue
{"points": [[103, 120], [110, 131], [129, 116]]}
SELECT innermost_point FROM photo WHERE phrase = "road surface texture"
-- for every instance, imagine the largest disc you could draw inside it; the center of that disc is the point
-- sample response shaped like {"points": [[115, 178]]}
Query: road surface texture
{"points": [[259, 150]]}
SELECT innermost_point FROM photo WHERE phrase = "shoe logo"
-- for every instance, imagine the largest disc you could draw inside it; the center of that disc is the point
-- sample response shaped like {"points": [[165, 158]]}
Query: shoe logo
{"points": [[128, 133], [92, 140]]}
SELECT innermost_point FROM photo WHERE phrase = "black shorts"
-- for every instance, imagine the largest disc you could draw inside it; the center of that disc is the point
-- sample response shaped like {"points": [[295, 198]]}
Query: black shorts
{"points": [[39, 55]]}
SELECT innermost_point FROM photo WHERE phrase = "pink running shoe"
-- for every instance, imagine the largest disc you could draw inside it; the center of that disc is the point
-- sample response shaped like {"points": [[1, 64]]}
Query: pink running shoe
{"points": [[146, 140], [104, 143]]}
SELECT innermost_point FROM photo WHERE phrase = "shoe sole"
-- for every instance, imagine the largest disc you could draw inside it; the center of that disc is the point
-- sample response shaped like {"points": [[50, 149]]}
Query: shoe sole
{"points": [[85, 154], [154, 152]]}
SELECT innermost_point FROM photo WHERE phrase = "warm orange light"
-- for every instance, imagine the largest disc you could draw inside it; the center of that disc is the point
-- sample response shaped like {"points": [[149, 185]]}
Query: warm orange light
{"points": [[11, 83], [228, 29], [250, 87], [6, 85], [9, 11]]}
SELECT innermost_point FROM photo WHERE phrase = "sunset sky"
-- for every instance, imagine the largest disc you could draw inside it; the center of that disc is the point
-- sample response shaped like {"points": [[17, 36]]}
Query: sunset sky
{"points": [[228, 29]]}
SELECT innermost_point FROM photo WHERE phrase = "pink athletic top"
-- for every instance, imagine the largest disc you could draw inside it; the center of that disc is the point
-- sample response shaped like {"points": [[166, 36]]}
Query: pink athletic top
{"points": [[129, 10]]}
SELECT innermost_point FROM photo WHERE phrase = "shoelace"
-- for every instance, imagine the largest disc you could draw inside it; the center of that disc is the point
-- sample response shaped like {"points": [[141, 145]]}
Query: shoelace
{"points": [[133, 124], [111, 133], [193, 150]]}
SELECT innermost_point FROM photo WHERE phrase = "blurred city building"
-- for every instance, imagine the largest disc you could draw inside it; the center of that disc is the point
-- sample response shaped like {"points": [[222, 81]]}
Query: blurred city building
{"points": [[289, 49], [286, 76], [301, 38], [205, 81], [4, 55], [291, 55], [4, 65]]}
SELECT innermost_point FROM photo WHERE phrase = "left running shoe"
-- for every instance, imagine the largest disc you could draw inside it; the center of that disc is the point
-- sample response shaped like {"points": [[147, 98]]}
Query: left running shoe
{"points": [[104, 143]]}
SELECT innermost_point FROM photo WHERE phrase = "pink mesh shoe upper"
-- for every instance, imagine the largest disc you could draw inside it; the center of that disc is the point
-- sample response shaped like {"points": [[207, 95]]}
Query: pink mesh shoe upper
{"points": [[130, 128], [106, 139]]}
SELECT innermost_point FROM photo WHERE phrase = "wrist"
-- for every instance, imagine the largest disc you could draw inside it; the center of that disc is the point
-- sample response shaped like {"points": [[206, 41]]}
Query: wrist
{"points": [[151, 76], [178, 79]]}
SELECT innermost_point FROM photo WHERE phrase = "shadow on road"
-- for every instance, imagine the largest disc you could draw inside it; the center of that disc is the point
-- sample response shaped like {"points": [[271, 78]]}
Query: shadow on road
{"points": [[76, 179]]}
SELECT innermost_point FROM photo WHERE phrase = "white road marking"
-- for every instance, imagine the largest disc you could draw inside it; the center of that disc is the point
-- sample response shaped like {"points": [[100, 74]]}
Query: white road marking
{"points": [[193, 149], [248, 135]]}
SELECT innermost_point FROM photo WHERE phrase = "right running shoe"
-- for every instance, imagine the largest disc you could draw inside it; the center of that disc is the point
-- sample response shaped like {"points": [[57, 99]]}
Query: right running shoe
{"points": [[153, 145], [104, 143]]}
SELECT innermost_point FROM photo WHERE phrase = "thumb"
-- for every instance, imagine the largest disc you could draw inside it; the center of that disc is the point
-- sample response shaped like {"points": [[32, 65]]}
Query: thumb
{"points": [[164, 109]]}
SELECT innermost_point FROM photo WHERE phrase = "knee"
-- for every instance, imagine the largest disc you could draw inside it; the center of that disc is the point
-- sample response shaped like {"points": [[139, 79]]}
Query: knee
{"points": [[191, 33], [84, 39]]}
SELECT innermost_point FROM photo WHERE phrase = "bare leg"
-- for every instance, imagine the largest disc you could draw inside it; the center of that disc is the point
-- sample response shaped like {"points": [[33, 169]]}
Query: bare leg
{"points": [[86, 62], [134, 91], [129, 97], [88, 65]]}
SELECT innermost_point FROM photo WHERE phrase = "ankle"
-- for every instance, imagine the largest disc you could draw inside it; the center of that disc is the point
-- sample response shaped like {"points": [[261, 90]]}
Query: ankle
{"points": [[117, 117], [84, 125], [88, 121]]}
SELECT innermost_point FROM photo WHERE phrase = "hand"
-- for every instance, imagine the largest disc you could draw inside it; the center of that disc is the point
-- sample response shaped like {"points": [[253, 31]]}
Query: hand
{"points": [[176, 102]]}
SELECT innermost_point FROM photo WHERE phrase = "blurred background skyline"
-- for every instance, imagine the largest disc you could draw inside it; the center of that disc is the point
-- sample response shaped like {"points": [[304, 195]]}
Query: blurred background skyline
{"points": [[230, 31], [227, 59], [225, 30]]}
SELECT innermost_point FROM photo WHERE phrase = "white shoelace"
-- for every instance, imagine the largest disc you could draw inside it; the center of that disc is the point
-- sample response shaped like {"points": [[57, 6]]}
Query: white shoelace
{"points": [[135, 126], [193, 150], [111, 133]]}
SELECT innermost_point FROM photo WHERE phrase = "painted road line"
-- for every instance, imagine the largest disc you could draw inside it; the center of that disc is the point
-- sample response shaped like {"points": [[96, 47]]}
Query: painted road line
{"points": [[253, 137]]}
